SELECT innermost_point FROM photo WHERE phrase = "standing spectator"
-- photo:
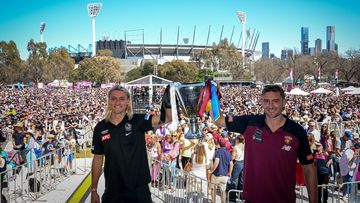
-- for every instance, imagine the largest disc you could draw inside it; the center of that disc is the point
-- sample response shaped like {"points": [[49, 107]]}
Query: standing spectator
{"points": [[238, 159], [199, 166], [18, 141], [222, 169], [29, 151], [323, 172], [347, 167], [312, 129]]}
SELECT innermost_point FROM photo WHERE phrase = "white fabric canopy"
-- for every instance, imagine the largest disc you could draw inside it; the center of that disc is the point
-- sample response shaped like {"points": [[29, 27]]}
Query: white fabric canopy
{"points": [[355, 91], [298, 91], [321, 91], [350, 88]]}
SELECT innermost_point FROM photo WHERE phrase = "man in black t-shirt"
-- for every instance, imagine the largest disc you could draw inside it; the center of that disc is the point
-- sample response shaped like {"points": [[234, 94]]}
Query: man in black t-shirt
{"points": [[120, 139]]}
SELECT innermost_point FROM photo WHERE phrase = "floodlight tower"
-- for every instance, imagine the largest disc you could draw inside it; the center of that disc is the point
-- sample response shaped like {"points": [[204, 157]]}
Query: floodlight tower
{"points": [[242, 17], [93, 10], [42, 28]]}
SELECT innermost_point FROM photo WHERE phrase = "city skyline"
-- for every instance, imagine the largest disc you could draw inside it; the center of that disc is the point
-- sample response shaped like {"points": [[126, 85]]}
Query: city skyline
{"points": [[279, 23]]}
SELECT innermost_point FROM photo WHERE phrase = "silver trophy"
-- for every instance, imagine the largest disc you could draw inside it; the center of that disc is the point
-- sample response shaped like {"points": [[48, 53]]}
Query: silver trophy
{"points": [[188, 101]]}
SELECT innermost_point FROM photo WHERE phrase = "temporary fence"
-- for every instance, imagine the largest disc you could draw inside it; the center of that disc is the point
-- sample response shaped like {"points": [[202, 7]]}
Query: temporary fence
{"points": [[177, 186], [329, 193], [31, 180]]}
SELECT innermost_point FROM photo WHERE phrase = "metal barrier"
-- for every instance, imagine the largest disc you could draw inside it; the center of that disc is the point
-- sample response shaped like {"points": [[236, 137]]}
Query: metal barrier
{"points": [[175, 185], [333, 193], [22, 183]]}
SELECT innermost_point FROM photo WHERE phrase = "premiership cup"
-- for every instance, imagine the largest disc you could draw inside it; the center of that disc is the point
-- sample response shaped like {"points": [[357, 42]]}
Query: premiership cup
{"points": [[189, 97]]}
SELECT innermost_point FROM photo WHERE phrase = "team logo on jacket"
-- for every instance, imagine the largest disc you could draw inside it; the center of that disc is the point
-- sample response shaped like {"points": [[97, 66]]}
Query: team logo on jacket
{"points": [[128, 128], [105, 137], [288, 139]]}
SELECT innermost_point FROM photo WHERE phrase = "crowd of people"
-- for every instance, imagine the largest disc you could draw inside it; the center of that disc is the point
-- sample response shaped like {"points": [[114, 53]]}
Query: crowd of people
{"points": [[34, 118]]}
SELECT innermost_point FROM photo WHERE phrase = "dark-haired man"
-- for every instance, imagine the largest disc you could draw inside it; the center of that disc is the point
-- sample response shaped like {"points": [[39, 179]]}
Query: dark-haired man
{"points": [[273, 145]]}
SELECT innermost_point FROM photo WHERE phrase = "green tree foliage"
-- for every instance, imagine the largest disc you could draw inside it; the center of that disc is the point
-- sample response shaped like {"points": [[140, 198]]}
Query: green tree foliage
{"points": [[37, 61], [202, 73], [11, 65], [105, 52], [222, 56], [179, 71], [60, 64], [146, 69], [99, 69]]}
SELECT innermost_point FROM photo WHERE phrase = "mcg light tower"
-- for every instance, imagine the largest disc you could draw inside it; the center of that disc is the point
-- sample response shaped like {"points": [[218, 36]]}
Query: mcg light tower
{"points": [[242, 17], [93, 10], [42, 28]]}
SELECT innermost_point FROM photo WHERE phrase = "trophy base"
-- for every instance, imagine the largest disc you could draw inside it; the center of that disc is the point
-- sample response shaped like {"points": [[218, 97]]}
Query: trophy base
{"points": [[191, 135]]}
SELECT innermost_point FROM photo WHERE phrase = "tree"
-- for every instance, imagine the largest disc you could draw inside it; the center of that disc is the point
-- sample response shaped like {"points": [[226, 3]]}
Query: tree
{"points": [[37, 61], [60, 64], [351, 65], [146, 69], [178, 71], [266, 71], [105, 52], [11, 65], [99, 69], [222, 56]]}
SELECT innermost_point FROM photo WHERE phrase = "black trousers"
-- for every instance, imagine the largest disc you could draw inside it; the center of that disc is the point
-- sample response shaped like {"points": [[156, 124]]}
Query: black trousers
{"points": [[139, 195], [323, 179]]}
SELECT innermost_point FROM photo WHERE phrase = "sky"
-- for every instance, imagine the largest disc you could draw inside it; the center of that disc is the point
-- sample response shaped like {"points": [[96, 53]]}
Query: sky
{"points": [[279, 22]]}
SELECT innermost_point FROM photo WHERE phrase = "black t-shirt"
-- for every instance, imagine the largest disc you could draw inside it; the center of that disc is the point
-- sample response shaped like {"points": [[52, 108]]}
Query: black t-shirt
{"points": [[126, 164]]}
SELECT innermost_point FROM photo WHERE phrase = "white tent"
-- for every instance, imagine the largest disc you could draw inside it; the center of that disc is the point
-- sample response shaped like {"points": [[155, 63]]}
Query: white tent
{"points": [[297, 91], [355, 91], [148, 81], [321, 91], [350, 88]]}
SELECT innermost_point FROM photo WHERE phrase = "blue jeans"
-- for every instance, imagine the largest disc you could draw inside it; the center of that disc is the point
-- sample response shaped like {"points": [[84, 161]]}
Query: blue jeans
{"points": [[346, 187], [236, 174]]}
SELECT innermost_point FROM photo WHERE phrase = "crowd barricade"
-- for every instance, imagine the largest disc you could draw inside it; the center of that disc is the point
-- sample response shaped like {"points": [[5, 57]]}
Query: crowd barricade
{"points": [[176, 185], [21, 184], [338, 127], [334, 193]]}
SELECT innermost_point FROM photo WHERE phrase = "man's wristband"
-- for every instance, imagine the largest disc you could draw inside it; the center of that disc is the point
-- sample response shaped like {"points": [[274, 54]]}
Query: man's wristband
{"points": [[93, 190]]}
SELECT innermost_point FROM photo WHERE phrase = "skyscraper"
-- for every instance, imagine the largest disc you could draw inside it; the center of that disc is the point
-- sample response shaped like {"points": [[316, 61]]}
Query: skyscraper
{"points": [[265, 50], [330, 38], [317, 47], [304, 40]]}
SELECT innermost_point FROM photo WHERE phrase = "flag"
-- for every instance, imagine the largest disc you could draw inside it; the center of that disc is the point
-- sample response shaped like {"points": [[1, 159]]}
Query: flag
{"points": [[204, 98], [291, 74], [210, 92], [319, 73], [337, 74], [215, 103]]}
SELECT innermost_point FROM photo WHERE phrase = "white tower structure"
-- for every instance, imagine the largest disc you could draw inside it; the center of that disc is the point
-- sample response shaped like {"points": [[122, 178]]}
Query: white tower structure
{"points": [[93, 10], [42, 28], [242, 17]]}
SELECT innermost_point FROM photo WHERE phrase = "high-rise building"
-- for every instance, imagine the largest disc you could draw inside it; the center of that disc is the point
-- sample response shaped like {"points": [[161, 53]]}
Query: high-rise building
{"points": [[286, 54], [330, 38], [304, 40], [312, 51], [265, 50], [317, 47], [283, 54]]}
